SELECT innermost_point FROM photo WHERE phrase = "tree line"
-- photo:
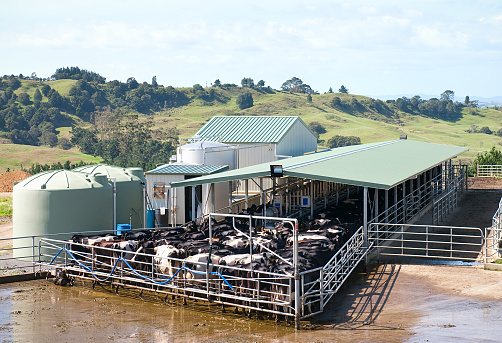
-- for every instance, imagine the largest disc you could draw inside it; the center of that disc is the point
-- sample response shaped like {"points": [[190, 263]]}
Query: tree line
{"points": [[124, 141]]}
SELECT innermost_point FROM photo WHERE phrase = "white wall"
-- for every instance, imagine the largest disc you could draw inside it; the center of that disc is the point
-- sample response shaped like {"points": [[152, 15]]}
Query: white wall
{"points": [[256, 153], [297, 141], [152, 179]]}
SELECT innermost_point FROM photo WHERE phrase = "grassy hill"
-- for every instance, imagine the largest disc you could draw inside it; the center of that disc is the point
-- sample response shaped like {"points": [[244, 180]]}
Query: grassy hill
{"points": [[13, 156], [365, 123], [369, 119]]}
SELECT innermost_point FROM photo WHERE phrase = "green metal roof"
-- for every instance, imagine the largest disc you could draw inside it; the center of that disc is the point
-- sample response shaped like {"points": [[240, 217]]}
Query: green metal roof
{"points": [[247, 129], [187, 169], [375, 165]]}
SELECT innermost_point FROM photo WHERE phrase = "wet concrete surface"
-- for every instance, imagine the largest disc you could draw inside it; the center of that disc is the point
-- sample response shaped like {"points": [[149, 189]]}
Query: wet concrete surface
{"points": [[389, 304]]}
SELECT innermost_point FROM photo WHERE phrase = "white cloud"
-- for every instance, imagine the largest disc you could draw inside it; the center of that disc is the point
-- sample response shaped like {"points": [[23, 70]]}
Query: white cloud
{"points": [[439, 37]]}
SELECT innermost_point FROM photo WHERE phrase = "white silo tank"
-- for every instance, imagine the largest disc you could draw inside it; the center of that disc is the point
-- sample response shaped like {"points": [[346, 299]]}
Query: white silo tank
{"points": [[221, 155], [207, 153]]}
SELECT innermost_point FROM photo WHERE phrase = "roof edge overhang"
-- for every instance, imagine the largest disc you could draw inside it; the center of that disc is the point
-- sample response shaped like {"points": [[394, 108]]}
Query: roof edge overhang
{"points": [[290, 170]]}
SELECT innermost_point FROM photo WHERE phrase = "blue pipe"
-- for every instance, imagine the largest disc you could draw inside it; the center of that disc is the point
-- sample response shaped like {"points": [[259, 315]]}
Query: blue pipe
{"points": [[135, 272]]}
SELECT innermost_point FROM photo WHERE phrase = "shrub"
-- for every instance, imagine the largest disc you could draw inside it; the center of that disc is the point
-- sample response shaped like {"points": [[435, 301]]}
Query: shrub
{"points": [[339, 141], [244, 101]]}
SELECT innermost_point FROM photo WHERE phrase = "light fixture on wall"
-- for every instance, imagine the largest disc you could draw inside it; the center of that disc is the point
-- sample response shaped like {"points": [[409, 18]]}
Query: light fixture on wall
{"points": [[276, 170]]}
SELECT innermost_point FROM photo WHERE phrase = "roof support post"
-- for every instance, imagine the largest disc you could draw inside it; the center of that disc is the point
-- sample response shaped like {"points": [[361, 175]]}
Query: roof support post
{"points": [[386, 205], [325, 192], [194, 209], [246, 193], [229, 196], [375, 215], [365, 216], [174, 207], [311, 199], [212, 198], [262, 197], [395, 202]]}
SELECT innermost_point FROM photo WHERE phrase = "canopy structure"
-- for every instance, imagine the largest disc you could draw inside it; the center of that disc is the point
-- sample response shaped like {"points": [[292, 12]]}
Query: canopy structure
{"points": [[376, 165]]}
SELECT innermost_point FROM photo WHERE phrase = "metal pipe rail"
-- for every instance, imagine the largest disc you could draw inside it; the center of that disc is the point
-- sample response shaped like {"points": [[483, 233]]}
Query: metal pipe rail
{"points": [[259, 290], [489, 170], [493, 235], [447, 202], [294, 223], [320, 284], [443, 242]]}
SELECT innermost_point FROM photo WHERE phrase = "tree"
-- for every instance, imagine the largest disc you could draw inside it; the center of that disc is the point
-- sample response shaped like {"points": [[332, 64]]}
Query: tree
{"points": [[317, 128], [309, 97], [261, 84], [447, 96], [199, 91], [245, 100], [48, 138], [485, 130], [335, 102], [302, 88], [330, 90], [46, 89], [343, 89], [247, 82], [217, 83], [64, 143], [289, 84], [467, 100], [23, 98], [132, 83], [154, 82], [339, 141], [37, 97]]}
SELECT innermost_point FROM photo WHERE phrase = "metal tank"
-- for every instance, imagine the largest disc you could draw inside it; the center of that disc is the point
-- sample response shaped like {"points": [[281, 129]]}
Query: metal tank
{"points": [[208, 153], [129, 197], [57, 202]]}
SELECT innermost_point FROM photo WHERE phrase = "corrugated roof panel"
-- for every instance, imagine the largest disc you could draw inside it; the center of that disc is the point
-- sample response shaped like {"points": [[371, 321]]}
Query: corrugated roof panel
{"points": [[376, 165], [246, 129], [187, 169]]}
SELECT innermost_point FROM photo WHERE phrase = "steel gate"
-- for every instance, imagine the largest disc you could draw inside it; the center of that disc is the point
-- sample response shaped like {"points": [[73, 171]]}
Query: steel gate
{"points": [[430, 241]]}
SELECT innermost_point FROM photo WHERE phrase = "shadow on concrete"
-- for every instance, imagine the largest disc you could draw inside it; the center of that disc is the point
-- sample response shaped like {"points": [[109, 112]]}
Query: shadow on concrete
{"points": [[361, 301]]}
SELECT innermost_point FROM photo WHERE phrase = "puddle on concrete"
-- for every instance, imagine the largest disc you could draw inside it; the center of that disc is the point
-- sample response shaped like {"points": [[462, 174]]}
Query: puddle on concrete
{"points": [[455, 319]]}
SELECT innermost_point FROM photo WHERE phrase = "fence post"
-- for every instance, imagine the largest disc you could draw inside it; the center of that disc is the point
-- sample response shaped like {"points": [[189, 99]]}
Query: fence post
{"points": [[33, 252], [297, 276]]}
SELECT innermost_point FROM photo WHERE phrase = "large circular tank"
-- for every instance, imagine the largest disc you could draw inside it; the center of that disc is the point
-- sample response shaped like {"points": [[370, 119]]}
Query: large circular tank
{"points": [[207, 153], [129, 191], [60, 201]]}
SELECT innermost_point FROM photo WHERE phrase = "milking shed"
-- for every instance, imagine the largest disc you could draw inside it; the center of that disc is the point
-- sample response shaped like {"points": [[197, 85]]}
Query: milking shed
{"points": [[365, 187], [399, 180]]}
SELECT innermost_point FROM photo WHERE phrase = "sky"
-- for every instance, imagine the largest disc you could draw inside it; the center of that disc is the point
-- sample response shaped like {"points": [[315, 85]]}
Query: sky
{"points": [[377, 47]]}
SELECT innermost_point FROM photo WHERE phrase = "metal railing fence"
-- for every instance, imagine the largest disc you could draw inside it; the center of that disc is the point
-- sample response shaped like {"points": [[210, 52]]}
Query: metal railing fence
{"points": [[487, 170], [446, 203], [430, 241], [227, 285], [319, 285], [494, 235]]}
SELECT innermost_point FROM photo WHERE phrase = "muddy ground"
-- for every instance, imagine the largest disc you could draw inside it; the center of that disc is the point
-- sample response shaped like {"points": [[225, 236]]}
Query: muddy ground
{"points": [[390, 303], [393, 303]]}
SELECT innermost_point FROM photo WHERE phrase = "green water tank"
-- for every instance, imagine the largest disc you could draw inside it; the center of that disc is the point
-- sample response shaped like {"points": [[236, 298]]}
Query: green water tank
{"points": [[129, 191], [58, 202]]}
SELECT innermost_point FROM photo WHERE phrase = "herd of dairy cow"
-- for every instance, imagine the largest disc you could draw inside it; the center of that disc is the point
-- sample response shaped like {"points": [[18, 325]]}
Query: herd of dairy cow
{"points": [[166, 250]]}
